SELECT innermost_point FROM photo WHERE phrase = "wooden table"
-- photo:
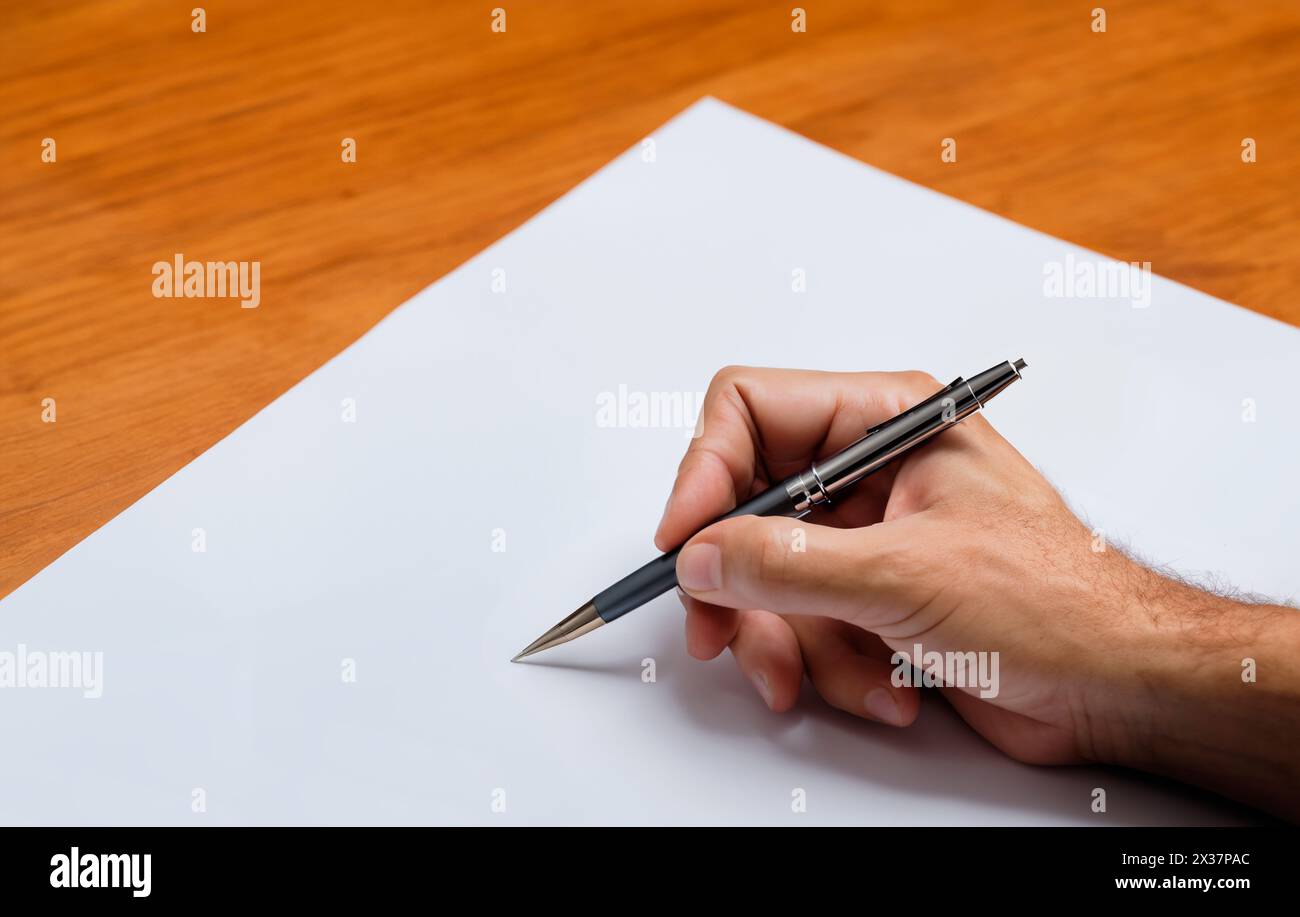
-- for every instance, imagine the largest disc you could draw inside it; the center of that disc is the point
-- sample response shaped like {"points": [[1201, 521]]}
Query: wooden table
{"points": [[226, 145]]}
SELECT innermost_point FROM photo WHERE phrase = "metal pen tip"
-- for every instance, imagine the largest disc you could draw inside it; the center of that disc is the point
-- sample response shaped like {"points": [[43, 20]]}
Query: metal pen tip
{"points": [[1019, 365], [582, 621]]}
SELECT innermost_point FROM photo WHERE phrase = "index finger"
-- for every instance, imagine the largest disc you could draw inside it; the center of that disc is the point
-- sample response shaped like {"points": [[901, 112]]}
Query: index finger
{"points": [[762, 425]]}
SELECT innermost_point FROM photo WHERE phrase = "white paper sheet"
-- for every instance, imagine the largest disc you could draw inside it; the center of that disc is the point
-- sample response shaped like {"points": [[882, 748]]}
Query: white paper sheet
{"points": [[476, 419]]}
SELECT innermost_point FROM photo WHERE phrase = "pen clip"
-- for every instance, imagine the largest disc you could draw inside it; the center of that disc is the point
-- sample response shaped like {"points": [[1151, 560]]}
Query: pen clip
{"points": [[954, 384]]}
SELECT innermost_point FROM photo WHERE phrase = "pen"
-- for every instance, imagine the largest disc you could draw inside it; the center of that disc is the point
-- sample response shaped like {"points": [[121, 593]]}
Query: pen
{"points": [[798, 494]]}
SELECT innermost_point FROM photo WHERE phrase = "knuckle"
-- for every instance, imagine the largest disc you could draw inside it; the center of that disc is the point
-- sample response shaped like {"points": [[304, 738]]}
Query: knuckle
{"points": [[921, 381], [729, 373], [725, 381]]}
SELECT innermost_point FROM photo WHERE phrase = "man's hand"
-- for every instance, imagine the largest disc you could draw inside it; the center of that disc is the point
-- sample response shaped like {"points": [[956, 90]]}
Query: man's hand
{"points": [[963, 547]]}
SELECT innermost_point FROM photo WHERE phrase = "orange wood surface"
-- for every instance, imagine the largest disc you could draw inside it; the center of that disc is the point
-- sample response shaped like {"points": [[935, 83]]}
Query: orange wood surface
{"points": [[225, 145]]}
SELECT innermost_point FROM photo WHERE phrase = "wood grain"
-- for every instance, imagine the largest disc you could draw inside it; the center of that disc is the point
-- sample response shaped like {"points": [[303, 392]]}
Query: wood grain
{"points": [[226, 145]]}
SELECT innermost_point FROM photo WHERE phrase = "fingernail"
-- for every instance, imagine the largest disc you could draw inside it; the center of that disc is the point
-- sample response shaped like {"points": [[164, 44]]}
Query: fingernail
{"points": [[764, 689], [699, 567], [880, 704]]}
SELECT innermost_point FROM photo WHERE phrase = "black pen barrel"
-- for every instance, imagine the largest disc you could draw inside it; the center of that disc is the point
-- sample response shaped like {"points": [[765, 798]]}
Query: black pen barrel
{"points": [[660, 575]]}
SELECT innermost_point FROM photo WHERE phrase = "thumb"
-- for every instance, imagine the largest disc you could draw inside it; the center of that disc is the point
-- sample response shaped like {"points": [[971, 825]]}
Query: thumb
{"points": [[867, 576]]}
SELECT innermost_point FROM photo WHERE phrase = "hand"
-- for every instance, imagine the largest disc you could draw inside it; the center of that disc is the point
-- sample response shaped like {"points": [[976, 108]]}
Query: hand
{"points": [[963, 548]]}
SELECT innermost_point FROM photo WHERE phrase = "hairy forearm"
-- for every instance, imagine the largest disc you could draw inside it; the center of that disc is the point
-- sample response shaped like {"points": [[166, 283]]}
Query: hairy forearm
{"points": [[1214, 694]]}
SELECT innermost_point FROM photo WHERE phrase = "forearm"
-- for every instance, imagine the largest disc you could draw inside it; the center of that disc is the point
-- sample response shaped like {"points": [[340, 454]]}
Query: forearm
{"points": [[1214, 695]]}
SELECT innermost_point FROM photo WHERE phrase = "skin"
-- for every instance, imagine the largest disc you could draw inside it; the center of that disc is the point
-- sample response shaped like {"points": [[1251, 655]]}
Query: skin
{"points": [[963, 546]]}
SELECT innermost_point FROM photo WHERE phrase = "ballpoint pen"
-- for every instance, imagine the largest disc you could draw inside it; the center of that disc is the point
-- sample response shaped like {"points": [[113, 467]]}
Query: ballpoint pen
{"points": [[798, 494]]}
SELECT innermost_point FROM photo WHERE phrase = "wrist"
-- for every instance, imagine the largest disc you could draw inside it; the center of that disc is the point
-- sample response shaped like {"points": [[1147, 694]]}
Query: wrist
{"points": [[1203, 690]]}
